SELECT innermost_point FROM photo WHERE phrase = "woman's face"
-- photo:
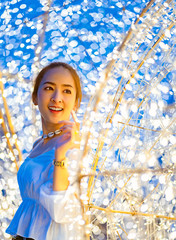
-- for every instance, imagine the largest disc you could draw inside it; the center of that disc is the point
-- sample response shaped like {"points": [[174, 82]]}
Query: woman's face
{"points": [[56, 96]]}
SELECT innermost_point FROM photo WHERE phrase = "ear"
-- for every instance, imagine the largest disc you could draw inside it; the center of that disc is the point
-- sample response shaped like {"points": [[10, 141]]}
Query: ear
{"points": [[34, 99]]}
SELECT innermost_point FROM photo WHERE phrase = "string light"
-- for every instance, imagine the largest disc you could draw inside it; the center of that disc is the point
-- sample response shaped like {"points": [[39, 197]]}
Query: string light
{"points": [[128, 158]]}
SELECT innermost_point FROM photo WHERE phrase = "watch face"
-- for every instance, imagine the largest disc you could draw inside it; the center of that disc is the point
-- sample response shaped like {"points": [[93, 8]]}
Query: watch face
{"points": [[62, 164]]}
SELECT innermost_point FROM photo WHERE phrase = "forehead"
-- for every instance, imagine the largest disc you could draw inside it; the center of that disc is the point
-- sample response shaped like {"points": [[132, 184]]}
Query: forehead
{"points": [[58, 75]]}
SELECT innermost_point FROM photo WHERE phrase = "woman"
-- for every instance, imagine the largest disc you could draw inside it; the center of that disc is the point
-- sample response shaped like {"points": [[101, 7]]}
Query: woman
{"points": [[50, 208]]}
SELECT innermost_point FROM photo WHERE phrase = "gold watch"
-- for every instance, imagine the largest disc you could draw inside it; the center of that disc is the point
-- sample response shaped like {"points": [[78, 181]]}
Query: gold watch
{"points": [[61, 164]]}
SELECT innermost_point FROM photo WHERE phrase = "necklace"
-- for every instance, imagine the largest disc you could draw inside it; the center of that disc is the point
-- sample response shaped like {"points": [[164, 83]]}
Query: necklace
{"points": [[51, 134]]}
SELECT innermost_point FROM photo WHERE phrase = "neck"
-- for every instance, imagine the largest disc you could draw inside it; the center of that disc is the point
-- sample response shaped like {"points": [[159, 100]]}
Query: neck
{"points": [[47, 128]]}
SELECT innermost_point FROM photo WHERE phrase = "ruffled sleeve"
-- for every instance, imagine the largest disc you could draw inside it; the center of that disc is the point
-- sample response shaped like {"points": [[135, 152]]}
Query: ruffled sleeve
{"points": [[63, 206]]}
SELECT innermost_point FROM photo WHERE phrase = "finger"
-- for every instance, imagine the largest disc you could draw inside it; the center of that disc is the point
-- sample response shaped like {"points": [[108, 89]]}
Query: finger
{"points": [[74, 116], [74, 132], [66, 127], [71, 129], [65, 135], [64, 122], [65, 130], [75, 119]]}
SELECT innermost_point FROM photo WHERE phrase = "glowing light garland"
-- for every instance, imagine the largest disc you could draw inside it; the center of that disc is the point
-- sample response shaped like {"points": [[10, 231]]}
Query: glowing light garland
{"points": [[127, 179]]}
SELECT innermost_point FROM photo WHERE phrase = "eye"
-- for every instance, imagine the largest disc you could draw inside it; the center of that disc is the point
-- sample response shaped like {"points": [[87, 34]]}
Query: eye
{"points": [[48, 88], [68, 91]]}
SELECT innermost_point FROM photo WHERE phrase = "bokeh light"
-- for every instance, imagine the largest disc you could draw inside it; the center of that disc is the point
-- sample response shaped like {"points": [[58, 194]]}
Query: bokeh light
{"points": [[125, 53]]}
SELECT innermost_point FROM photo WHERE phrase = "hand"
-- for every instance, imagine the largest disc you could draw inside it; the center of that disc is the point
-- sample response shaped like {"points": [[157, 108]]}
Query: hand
{"points": [[69, 137]]}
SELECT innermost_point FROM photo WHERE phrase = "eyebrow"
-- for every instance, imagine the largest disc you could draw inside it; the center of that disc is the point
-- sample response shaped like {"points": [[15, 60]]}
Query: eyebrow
{"points": [[64, 85]]}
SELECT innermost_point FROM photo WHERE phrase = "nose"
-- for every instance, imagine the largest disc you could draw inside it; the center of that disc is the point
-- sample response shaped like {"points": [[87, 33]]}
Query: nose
{"points": [[56, 97]]}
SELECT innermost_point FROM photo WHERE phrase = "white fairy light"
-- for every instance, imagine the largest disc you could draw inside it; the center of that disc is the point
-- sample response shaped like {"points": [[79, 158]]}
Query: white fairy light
{"points": [[140, 135]]}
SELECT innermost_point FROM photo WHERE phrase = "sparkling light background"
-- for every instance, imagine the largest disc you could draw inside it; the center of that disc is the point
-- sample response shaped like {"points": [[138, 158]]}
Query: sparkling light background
{"points": [[128, 73]]}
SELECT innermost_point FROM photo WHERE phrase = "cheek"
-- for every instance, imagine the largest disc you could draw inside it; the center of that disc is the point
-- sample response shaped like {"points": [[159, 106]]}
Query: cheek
{"points": [[70, 99], [41, 96], [70, 105], [72, 102]]}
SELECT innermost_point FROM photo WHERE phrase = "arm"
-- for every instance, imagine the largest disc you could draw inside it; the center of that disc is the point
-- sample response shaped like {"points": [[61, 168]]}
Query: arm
{"points": [[63, 205], [53, 196], [67, 141], [60, 176]]}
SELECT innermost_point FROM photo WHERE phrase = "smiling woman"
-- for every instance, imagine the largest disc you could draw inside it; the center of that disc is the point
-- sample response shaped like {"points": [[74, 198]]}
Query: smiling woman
{"points": [[50, 208], [57, 65], [56, 97]]}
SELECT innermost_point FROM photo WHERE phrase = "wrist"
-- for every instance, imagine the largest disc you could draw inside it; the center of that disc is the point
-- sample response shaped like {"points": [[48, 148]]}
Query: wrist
{"points": [[60, 153], [60, 162]]}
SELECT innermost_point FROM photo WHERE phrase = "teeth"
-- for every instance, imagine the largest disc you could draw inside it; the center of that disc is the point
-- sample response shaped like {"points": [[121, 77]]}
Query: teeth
{"points": [[56, 109]]}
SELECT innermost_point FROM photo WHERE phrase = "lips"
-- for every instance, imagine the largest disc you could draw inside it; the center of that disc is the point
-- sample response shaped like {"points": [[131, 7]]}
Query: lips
{"points": [[55, 109]]}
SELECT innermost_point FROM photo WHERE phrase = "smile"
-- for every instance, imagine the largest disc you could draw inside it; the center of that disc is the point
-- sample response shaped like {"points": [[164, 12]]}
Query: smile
{"points": [[57, 109]]}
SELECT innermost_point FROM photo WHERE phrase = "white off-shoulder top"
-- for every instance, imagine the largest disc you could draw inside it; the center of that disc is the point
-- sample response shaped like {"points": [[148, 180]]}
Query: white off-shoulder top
{"points": [[45, 214]]}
